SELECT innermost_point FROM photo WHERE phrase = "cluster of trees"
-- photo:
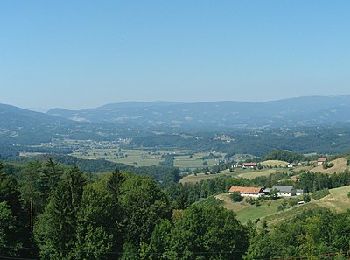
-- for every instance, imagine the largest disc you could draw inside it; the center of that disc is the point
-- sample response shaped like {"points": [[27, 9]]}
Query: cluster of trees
{"points": [[53, 211], [183, 195], [161, 173], [286, 156], [256, 142], [57, 212], [311, 182], [313, 234]]}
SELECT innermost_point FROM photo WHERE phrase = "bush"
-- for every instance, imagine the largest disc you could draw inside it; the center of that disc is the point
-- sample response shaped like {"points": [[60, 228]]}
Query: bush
{"points": [[236, 197], [257, 203], [327, 165], [348, 195], [293, 202], [320, 194], [307, 198], [251, 201]]}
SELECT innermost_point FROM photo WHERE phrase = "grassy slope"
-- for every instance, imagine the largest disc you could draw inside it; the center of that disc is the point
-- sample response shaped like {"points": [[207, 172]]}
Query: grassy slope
{"points": [[246, 212], [202, 176], [274, 163], [248, 174], [337, 200], [340, 165], [240, 173]]}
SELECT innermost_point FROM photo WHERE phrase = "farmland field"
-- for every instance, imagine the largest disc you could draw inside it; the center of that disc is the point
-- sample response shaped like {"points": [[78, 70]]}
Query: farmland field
{"points": [[138, 157]]}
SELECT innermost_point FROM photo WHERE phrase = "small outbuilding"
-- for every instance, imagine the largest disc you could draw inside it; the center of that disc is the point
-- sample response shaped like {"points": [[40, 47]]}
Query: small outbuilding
{"points": [[321, 160]]}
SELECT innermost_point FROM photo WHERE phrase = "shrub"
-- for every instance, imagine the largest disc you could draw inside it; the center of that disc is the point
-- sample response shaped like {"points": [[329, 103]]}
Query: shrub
{"points": [[307, 198], [251, 201], [236, 197], [320, 194], [257, 203], [280, 208], [293, 202]]}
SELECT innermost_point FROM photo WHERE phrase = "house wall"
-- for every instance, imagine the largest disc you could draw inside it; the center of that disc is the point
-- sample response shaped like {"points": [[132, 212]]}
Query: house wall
{"points": [[286, 194], [252, 195]]}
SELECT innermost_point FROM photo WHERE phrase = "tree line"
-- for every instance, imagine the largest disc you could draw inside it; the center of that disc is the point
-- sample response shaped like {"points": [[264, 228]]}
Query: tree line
{"points": [[52, 211]]}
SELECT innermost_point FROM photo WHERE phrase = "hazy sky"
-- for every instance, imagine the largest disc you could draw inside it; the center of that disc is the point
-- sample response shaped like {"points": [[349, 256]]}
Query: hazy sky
{"points": [[86, 53]]}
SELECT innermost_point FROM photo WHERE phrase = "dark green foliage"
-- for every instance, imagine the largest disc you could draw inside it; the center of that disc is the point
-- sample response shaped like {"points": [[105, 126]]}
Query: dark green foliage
{"points": [[183, 196], [320, 194], [144, 204], [163, 173], [99, 220], [273, 194], [311, 235], [9, 244], [127, 216], [202, 232], [55, 230], [307, 198], [14, 227], [236, 197], [286, 156], [311, 182]]}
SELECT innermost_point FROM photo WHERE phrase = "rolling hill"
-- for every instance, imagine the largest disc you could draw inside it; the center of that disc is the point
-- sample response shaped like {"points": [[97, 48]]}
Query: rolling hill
{"points": [[301, 111], [337, 201], [25, 126]]}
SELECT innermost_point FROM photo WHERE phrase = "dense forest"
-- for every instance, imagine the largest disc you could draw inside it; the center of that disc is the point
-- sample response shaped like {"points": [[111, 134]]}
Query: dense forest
{"points": [[54, 211]]}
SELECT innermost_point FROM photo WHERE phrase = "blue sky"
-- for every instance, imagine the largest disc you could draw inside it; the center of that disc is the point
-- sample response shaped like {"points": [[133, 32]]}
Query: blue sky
{"points": [[83, 53]]}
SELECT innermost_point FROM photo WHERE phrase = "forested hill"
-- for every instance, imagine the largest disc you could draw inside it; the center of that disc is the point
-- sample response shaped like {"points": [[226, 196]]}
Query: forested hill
{"points": [[23, 126], [301, 111]]}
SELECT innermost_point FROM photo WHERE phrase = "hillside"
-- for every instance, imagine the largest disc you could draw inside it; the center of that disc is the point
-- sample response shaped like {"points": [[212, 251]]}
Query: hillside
{"points": [[23, 126], [337, 200], [301, 111], [274, 163], [339, 165]]}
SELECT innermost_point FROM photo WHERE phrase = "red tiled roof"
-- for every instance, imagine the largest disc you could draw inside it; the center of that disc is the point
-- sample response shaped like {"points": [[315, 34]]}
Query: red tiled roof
{"points": [[242, 189], [322, 159]]}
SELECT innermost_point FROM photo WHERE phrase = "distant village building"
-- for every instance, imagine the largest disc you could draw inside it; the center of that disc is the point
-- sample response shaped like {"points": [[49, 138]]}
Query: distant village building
{"points": [[284, 191], [249, 165], [254, 192], [321, 161]]}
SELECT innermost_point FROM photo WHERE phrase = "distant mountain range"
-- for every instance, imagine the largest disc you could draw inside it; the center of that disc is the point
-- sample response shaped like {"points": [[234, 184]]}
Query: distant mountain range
{"points": [[300, 111], [305, 124], [23, 126]]}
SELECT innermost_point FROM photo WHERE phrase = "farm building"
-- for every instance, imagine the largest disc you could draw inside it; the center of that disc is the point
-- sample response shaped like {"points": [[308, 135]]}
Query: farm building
{"points": [[299, 192], [321, 161], [254, 192], [249, 165], [285, 191]]}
